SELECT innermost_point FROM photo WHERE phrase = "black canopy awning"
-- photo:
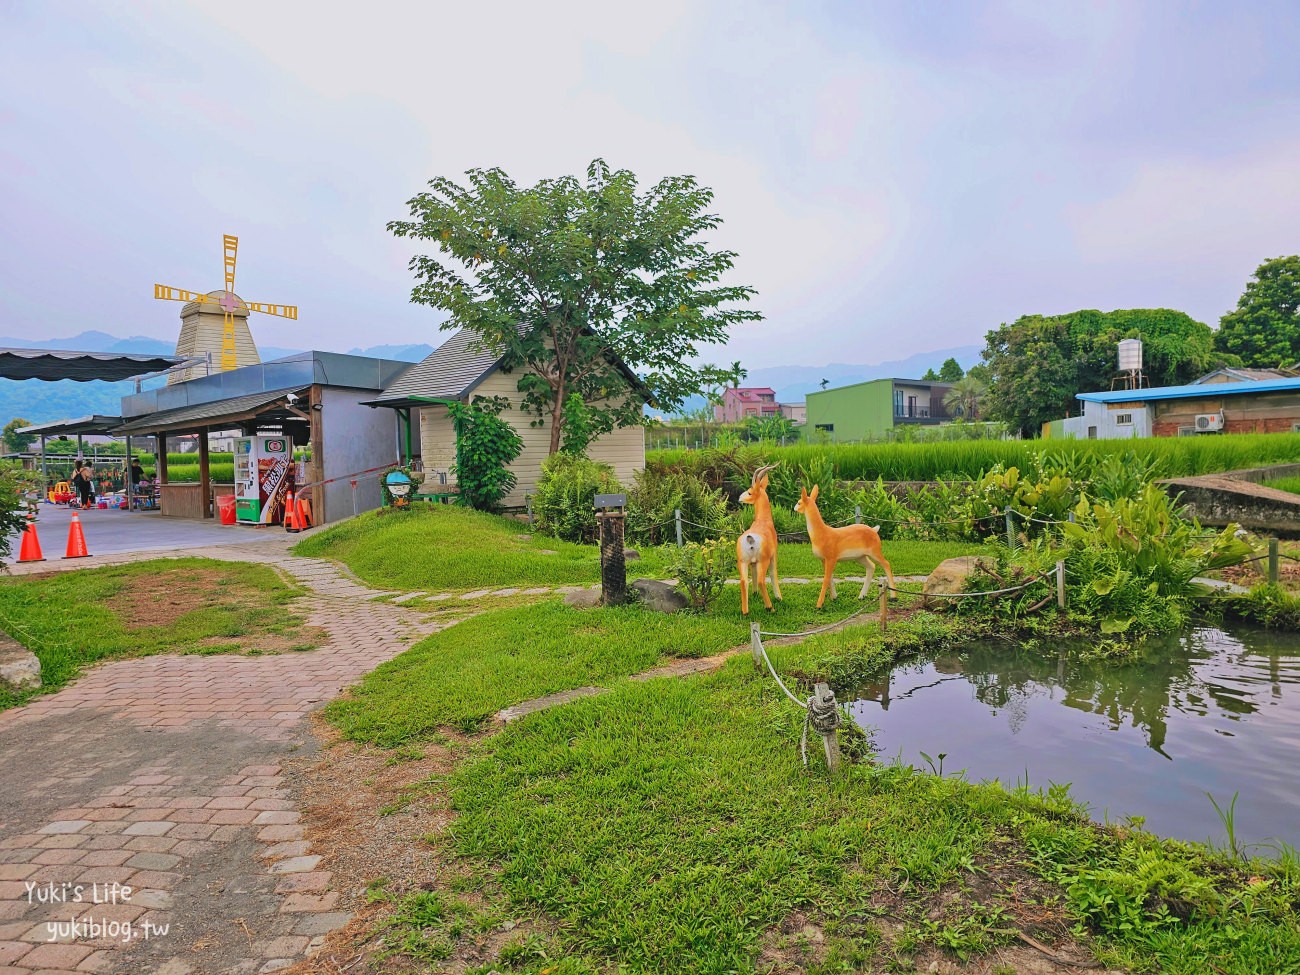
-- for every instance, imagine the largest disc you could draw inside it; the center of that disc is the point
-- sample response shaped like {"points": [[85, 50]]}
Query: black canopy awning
{"points": [[96, 424], [54, 364]]}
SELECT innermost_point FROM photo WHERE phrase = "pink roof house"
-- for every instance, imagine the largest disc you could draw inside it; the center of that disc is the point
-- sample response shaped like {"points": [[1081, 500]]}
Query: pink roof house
{"points": [[737, 404]]}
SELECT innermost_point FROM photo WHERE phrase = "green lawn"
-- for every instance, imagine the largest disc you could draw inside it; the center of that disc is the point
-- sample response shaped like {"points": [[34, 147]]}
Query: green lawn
{"points": [[72, 620], [463, 675], [668, 825], [441, 548]]}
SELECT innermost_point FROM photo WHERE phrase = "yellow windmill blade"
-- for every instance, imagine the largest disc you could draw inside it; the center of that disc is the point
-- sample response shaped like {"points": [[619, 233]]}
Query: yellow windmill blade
{"points": [[283, 311], [228, 358], [163, 292], [230, 247]]}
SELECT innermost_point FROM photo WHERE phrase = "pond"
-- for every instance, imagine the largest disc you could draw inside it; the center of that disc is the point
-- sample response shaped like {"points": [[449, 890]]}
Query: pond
{"points": [[1205, 712]]}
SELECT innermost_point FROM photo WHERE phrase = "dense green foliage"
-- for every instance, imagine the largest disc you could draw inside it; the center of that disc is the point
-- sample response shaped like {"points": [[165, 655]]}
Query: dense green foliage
{"points": [[486, 446], [579, 284], [15, 484], [15, 442], [1174, 456], [654, 498], [563, 502], [701, 570], [1038, 363], [72, 620], [1264, 329]]}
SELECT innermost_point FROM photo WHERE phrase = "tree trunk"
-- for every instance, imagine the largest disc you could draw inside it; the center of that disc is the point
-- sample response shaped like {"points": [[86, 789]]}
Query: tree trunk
{"points": [[557, 426]]}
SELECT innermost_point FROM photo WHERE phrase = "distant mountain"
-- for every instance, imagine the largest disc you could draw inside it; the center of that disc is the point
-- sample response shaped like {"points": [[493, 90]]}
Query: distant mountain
{"points": [[41, 402]]}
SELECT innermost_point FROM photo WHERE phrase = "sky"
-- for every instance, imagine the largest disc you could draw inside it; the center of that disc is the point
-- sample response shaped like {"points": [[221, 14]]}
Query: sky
{"points": [[895, 177]]}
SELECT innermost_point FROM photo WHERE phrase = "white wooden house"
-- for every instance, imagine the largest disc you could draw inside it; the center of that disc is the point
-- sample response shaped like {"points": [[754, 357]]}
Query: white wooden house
{"points": [[456, 372]]}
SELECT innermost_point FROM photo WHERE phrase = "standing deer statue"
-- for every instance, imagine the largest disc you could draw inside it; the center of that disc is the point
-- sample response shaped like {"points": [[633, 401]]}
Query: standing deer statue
{"points": [[857, 542], [756, 548]]}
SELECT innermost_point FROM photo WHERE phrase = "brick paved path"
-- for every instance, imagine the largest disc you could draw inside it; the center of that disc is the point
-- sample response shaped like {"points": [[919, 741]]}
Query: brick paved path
{"points": [[163, 774]]}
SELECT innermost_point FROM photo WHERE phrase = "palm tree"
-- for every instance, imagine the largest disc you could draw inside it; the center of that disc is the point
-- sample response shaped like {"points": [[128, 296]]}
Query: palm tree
{"points": [[965, 397]]}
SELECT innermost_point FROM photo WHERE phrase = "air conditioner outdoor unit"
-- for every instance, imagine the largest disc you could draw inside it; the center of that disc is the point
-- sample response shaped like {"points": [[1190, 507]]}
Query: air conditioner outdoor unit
{"points": [[1208, 422]]}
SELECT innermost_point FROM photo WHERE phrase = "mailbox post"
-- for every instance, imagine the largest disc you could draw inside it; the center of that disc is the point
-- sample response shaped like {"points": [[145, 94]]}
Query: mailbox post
{"points": [[613, 569]]}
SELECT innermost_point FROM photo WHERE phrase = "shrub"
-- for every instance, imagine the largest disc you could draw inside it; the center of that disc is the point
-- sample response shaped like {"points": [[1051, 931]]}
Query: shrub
{"points": [[654, 499], [486, 446], [701, 570], [563, 503]]}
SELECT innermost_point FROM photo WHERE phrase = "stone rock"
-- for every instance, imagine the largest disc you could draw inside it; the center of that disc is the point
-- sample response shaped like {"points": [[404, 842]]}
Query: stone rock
{"points": [[19, 667], [948, 576], [659, 596], [583, 599], [630, 554]]}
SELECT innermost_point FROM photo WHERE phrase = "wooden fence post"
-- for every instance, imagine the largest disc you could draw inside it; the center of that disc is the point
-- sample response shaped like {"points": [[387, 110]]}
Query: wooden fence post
{"points": [[1272, 560], [1060, 584]]}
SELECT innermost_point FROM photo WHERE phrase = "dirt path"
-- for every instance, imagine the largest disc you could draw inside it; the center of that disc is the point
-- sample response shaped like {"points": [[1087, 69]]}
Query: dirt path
{"points": [[165, 775]]}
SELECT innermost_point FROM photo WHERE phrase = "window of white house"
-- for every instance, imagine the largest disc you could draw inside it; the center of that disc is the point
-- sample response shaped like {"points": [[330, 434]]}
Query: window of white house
{"points": [[1124, 419]]}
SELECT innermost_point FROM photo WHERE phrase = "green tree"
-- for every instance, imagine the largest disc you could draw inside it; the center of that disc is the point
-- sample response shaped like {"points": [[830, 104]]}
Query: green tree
{"points": [[1265, 328], [577, 282], [930, 376], [966, 397], [950, 371], [15, 442], [1037, 364]]}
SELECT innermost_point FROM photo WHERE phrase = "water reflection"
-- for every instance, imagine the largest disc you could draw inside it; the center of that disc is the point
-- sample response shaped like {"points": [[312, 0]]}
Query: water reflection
{"points": [[1207, 711]]}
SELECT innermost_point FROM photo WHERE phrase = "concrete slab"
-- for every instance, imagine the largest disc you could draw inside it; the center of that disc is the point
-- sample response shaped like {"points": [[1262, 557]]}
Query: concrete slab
{"points": [[112, 531]]}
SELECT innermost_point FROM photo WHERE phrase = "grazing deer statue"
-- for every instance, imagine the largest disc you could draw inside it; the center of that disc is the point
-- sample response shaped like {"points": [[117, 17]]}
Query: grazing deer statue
{"points": [[857, 542], [756, 548]]}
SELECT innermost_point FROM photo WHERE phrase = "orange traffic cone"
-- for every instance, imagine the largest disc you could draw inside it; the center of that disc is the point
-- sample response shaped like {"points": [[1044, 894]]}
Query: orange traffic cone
{"points": [[76, 539], [30, 550], [290, 518], [304, 513]]}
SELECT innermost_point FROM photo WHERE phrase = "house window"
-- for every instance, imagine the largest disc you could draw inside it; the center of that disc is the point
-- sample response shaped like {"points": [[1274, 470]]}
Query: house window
{"points": [[751, 413], [898, 402], [828, 427], [911, 406], [1187, 431], [1092, 433], [1124, 419], [1295, 427]]}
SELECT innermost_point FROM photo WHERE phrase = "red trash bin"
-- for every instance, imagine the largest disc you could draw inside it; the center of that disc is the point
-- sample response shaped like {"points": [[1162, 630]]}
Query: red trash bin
{"points": [[226, 508]]}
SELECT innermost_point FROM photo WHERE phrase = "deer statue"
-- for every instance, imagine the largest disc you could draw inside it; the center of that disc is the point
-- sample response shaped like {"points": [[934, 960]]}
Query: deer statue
{"points": [[756, 548], [856, 542]]}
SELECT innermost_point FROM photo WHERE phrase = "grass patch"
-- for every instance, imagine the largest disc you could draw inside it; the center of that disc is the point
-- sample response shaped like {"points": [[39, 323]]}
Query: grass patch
{"points": [[72, 620], [669, 826], [461, 676], [438, 548], [1291, 484]]}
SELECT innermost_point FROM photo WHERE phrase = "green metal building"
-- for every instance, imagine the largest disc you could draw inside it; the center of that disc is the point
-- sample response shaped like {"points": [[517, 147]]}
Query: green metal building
{"points": [[870, 410]]}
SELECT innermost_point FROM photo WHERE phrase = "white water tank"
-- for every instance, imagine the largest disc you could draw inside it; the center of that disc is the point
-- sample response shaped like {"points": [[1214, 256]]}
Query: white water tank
{"points": [[1130, 355]]}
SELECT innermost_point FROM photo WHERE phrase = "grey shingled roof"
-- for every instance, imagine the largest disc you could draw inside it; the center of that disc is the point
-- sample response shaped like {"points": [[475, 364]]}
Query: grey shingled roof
{"points": [[235, 408], [448, 372]]}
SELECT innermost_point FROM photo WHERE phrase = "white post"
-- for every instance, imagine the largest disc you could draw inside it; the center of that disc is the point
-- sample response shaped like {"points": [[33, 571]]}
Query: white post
{"points": [[1060, 584], [756, 645], [677, 520]]}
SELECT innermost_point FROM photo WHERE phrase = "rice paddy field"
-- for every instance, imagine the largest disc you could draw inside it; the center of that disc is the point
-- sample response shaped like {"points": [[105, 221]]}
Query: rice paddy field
{"points": [[1176, 456]]}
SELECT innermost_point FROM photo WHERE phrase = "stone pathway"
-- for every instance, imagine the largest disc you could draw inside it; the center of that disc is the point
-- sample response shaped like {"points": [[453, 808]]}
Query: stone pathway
{"points": [[146, 824]]}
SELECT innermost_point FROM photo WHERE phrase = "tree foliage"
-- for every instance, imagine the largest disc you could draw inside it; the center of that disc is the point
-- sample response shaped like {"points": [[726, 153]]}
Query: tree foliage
{"points": [[1037, 364], [15, 442], [486, 446], [950, 371], [573, 282], [966, 398], [1264, 330]]}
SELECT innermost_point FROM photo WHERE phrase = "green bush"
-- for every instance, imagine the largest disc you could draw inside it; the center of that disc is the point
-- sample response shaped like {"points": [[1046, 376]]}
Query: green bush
{"points": [[486, 446], [654, 499], [701, 570], [563, 503]]}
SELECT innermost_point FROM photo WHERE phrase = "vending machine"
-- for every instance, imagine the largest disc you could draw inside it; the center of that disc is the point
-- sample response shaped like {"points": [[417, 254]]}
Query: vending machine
{"points": [[263, 479]]}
